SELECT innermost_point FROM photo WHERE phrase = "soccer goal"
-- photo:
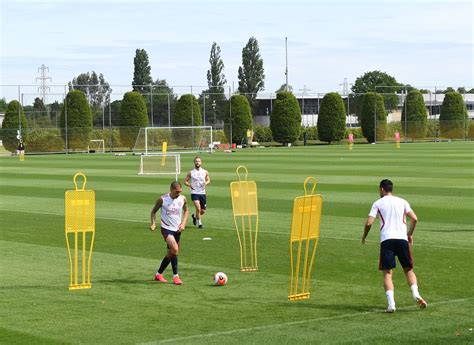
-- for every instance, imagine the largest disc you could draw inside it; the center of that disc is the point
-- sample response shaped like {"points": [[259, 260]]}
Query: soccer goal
{"points": [[160, 164], [96, 146], [179, 139]]}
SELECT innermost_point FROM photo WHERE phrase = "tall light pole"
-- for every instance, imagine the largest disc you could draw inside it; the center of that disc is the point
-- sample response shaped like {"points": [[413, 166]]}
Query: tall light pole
{"points": [[286, 58], [214, 108]]}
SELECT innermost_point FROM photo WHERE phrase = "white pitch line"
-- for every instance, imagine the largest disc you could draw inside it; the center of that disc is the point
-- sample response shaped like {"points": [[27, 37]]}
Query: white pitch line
{"points": [[232, 229], [291, 323]]}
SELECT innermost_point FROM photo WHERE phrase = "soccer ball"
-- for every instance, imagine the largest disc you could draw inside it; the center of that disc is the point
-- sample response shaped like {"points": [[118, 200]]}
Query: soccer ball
{"points": [[220, 278]]}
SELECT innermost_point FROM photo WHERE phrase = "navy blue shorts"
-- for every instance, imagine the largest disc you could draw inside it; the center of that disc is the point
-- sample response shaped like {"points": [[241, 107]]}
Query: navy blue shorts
{"points": [[202, 199], [391, 248], [175, 234]]}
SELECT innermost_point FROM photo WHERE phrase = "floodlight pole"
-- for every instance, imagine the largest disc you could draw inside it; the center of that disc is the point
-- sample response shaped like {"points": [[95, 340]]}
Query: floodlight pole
{"points": [[204, 107], [214, 108], [151, 104], [286, 55]]}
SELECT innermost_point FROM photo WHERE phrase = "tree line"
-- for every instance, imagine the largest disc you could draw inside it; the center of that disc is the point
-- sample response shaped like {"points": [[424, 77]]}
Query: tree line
{"points": [[373, 95]]}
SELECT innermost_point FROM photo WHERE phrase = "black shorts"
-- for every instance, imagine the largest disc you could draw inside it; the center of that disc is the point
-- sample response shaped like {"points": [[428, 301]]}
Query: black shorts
{"points": [[391, 248], [202, 199], [175, 234]]}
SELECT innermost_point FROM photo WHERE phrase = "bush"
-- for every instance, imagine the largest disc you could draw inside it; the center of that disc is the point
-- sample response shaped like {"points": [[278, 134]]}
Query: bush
{"points": [[311, 133], [262, 134], [10, 126], [392, 127], [372, 105], [45, 140], [432, 128], [285, 120], [416, 115], [76, 119], [219, 135], [104, 134], [133, 116], [332, 118], [356, 132], [453, 117], [241, 118], [470, 133]]}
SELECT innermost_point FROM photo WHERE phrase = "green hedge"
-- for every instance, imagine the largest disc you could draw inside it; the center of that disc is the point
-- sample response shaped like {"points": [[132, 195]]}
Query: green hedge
{"points": [[262, 134], [45, 140], [311, 133], [104, 134], [356, 133], [219, 135], [10, 126]]}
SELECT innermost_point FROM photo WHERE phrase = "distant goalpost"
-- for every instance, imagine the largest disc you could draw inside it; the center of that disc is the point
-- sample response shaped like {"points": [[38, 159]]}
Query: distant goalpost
{"points": [[160, 164], [96, 145], [179, 139]]}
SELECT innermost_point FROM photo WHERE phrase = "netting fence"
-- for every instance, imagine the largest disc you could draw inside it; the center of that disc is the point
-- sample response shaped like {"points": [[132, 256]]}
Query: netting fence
{"points": [[48, 131]]}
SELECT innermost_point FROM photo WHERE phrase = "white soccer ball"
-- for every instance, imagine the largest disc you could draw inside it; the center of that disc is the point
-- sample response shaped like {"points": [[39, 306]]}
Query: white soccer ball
{"points": [[220, 279]]}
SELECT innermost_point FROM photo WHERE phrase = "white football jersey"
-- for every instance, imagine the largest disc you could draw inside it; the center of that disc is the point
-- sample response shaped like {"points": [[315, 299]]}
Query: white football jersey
{"points": [[172, 212], [392, 212], [198, 181]]}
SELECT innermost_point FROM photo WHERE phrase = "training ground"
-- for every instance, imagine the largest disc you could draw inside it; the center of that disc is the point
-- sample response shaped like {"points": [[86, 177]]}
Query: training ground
{"points": [[347, 301]]}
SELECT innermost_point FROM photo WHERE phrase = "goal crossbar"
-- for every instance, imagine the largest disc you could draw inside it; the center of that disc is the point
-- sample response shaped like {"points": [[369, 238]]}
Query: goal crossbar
{"points": [[183, 139], [160, 164]]}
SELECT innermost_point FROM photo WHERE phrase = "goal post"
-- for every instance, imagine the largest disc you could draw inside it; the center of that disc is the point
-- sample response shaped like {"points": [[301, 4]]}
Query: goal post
{"points": [[96, 145], [160, 164], [178, 139]]}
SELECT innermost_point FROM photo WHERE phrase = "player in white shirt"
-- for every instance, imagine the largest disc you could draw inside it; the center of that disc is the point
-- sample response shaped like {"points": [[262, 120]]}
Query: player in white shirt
{"points": [[394, 240], [197, 179], [174, 213]]}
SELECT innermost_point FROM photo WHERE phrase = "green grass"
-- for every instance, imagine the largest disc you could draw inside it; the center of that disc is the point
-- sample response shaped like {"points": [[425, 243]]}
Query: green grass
{"points": [[347, 300]]}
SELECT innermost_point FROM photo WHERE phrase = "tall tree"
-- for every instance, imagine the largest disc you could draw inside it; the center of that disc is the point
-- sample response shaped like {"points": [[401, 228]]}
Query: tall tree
{"points": [[251, 73], [332, 118], [213, 100], [14, 119], [239, 119], [76, 120], [187, 112], [132, 117], [380, 82], [415, 115], [94, 86], [285, 120], [142, 72], [453, 118], [38, 105], [3, 104], [373, 114], [215, 75]]}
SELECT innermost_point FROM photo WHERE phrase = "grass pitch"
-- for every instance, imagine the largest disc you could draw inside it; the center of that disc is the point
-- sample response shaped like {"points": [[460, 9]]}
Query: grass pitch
{"points": [[347, 300]]}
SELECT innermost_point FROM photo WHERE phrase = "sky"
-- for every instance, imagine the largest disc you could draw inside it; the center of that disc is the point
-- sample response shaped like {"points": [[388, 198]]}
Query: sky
{"points": [[419, 42]]}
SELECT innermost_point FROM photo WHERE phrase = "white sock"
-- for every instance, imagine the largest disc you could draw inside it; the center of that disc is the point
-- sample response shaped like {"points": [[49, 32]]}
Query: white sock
{"points": [[199, 221], [414, 291], [175, 275], [390, 298]]}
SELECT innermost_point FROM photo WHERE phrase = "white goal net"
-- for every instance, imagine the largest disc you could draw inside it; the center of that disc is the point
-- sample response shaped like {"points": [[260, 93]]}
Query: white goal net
{"points": [[160, 164], [179, 139], [96, 146]]}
